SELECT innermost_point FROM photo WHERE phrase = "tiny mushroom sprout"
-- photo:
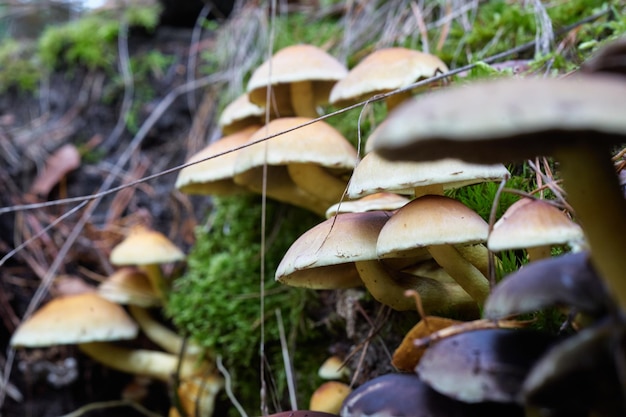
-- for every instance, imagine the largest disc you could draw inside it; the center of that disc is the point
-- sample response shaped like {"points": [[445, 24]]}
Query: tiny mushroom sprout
{"points": [[534, 225], [300, 78], [147, 249], [215, 175], [306, 166], [239, 115], [91, 322], [406, 395], [383, 71], [576, 120]]}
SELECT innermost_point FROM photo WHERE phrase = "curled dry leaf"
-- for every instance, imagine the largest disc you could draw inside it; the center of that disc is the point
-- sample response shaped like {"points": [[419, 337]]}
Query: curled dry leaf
{"points": [[58, 165]]}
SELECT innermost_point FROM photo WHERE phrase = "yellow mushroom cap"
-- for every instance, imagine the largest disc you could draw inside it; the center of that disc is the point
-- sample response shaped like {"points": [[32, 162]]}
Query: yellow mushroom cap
{"points": [[75, 319], [145, 247]]}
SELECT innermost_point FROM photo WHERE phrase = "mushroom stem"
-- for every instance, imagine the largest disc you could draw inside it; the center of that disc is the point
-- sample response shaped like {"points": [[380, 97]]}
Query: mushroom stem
{"points": [[594, 193], [463, 272], [395, 100], [153, 364], [165, 338], [432, 189], [538, 252], [303, 99], [436, 296], [317, 181], [153, 271]]}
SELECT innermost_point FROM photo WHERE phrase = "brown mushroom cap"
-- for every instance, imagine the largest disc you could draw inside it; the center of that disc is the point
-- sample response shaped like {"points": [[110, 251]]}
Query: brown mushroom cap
{"points": [[129, 286], [215, 176], [373, 202], [240, 114], [385, 70], [289, 68], [143, 246], [323, 257], [75, 319]]}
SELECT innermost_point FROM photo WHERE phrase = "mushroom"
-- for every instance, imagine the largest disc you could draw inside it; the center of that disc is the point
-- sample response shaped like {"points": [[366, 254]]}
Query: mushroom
{"points": [[483, 365], [129, 285], [147, 249], [385, 70], [341, 253], [329, 396], [307, 162], [406, 395], [576, 119], [373, 202], [536, 226], [215, 176], [568, 280], [300, 76], [333, 368], [438, 224], [240, 114], [90, 322]]}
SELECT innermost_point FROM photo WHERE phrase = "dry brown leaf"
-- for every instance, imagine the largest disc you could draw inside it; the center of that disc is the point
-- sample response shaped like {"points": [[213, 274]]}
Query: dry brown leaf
{"points": [[58, 165]]}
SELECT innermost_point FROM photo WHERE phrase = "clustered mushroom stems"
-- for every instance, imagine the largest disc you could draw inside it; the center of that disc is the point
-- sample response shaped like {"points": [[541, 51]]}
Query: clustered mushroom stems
{"points": [[153, 271], [316, 180], [303, 99]]}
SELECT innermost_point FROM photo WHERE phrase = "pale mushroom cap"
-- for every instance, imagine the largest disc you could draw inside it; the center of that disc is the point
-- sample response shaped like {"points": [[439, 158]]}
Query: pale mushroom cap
{"points": [[329, 397], [75, 319], [294, 64], [144, 247], [333, 368], [529, 223], [385, 70], [323, 257], [374, 174], [508, 119], [318, 143], [129, 286], [430, 220], [215, 176], [240, 114], [372, 202]]}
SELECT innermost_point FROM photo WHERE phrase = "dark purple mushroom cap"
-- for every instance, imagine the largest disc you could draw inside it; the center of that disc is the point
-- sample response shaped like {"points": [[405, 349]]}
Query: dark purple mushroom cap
{"points": [[581, 373], [568, 279], [483, 365], [406, 395]]}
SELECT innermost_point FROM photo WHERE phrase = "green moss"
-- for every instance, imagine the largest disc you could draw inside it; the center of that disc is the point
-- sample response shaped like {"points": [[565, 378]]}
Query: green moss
{"points": [[18, 68], [217, 300], [90, 40]]}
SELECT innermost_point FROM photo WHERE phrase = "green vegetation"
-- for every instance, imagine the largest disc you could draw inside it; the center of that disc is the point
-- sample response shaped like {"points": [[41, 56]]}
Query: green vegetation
{"points": [[17, 67], [217, 300]]}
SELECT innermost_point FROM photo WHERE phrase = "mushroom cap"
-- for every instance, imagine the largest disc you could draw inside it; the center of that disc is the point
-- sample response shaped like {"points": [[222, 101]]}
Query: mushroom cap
{"points": [[318, 143], [483, 365], [215, 176], [374, 174], [529, 223], [385, 70], [240, 114], [430, 220], [324, 256], [75, 319], [145, 247], [129, 286], [329, 396], [295, 63], [406, 395], [568, 280], [510, 119], [372, 202]]}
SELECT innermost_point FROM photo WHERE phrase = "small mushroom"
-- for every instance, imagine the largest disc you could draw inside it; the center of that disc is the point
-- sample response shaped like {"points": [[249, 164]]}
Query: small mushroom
{"points": [[300, 77], [240, 114], [329, 396]]}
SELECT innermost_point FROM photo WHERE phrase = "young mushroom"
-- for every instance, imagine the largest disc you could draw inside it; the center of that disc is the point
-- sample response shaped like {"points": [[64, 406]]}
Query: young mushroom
{"points": [[576, 120], [300, 78]]}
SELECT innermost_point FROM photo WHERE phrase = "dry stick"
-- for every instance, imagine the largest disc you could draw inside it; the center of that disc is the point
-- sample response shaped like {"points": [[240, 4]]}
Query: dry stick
{"points": [[228, 386], [111, 404], [492, 220], [193, 54], [286, 361]]}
